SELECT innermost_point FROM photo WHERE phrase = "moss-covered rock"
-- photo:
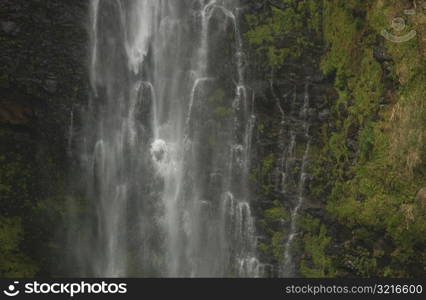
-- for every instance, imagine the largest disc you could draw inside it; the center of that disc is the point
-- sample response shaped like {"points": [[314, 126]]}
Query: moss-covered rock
{"points": [[369, 158]]}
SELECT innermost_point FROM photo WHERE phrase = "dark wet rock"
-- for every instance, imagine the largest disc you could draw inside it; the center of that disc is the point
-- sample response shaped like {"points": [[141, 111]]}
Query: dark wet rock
{"points": [[9, 27], [51, 85], [318, 77], [42, 76], [312, 113], [384, 101], [324, 114], [15, 114], [15, 108], [380, 54]]}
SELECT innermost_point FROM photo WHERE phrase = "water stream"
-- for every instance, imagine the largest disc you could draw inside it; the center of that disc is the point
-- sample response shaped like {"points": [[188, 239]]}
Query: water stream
{"points": [[167, 143]]}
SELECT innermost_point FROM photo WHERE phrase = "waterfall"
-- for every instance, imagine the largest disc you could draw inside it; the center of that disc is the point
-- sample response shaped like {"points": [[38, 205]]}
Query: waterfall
{"points": [[167, 143], [288, 267], [70, 132]]}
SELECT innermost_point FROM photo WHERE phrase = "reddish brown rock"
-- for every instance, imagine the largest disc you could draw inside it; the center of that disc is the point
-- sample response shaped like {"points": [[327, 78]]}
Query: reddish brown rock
{"points": [[15, 108], [15, 114]]}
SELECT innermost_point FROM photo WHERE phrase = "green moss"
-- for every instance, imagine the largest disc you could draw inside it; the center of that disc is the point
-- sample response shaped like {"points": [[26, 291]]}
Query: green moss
{"points": [[217, 97], [222, 112], [372, 186], [277, 214], [13, 263], [260, 127], [277, 245], [316, 263], [273, 31], [4, 81], [366, 142], [272, 223], [29, 218], [371, 155], [268, 163]]}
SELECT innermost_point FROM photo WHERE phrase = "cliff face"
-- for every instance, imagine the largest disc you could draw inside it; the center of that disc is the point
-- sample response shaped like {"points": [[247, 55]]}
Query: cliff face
{"points": [[373, 146], [324, 80], [285, 45], [42, 78], [363, 214]]}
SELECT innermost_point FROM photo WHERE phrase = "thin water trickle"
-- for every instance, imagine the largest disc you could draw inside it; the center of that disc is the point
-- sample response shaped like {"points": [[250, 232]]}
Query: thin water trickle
{"points": [[288, 268]]}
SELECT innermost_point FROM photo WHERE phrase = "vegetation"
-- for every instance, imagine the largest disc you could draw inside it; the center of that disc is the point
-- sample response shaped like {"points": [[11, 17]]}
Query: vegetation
{"points": [[13, 263], [371, 157], [317, 262], [273, 220], [373, 187], [27, 219], [37, 90], [367, 163], [276, 32]]}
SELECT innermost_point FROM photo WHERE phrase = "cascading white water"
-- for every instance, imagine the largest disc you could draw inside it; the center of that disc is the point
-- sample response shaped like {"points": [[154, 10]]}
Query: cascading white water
{"points": [[166, 160], [288, 268], [70, 133]]}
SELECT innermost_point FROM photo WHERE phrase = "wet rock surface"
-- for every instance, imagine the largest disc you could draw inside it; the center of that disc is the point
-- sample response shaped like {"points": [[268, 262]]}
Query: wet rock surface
{"points": [[42, 77]]}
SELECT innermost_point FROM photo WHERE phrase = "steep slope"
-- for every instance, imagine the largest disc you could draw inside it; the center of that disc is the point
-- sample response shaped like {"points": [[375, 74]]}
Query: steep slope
{"points": [[365, 211]]}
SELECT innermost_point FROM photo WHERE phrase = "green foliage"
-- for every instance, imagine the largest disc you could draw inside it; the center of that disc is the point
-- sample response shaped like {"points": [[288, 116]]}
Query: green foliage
{"points": [[373, 185], [282, 34], [272, 223], [316, 263], [13, 263], [28, 220], [362, 263], [366, 142], [268, 163], [277, 245], [277, 214]]}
